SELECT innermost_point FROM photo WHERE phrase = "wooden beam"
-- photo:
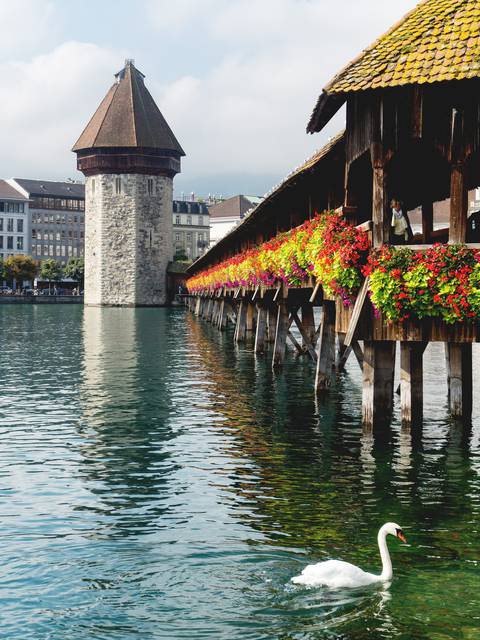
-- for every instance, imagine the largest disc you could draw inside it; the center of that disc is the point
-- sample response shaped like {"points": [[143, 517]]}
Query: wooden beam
{"points": [[295, 342], [326, 347], [307, 337], [459, 379], [280, 335], [458, 204], [357, 311], [378, 370], [241, 327], [315, 292], [250, 317], [308, 323], [260, 332], [271, 324], [411, 381], [427, 221]]}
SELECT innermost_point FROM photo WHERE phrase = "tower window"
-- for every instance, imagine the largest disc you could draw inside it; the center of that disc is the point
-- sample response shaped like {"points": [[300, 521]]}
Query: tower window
{"points": [[177, 219], [93, 188], [150, 186], [189, 219], [118, 185]]}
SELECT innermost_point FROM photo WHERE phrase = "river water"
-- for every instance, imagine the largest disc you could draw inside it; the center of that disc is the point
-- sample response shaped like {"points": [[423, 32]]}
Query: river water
{"points": [[158, 481]]}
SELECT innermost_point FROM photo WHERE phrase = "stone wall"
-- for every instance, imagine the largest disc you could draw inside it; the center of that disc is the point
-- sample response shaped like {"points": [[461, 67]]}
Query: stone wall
{"points": [[128, 239]]}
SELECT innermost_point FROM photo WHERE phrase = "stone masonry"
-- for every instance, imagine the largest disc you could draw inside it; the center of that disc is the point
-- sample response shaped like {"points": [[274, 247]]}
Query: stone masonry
{"points": [[128, 239]]}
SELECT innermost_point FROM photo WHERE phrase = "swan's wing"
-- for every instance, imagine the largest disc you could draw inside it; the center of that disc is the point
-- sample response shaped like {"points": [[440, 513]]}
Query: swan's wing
{"points": [[334, 574]]}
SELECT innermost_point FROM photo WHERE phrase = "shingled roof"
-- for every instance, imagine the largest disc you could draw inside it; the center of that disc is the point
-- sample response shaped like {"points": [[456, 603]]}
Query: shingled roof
{"points": [[128, 117], [438, 40]]}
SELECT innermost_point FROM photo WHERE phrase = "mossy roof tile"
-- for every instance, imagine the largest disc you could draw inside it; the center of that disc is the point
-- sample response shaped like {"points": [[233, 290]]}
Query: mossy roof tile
{"points": [[436, 29]]}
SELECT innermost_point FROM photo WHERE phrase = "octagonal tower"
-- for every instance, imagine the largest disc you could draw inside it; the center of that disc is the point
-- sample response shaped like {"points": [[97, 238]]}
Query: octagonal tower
{"points": [[129, 156]]}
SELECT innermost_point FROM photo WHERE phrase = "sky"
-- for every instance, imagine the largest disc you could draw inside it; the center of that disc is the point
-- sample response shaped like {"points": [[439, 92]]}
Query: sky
{"points": [[236, 79]]}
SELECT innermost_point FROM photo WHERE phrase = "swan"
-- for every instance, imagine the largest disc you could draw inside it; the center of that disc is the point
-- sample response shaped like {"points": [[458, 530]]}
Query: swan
{"points": [[337, 574]]}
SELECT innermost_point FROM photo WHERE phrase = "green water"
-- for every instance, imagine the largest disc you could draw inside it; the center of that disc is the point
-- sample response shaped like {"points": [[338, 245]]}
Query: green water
{"points": [[156, 481]]}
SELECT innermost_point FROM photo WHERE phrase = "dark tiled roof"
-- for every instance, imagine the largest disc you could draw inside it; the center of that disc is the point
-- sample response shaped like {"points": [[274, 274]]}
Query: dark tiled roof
{"points": [[235, 207], [128, 117], [7, 192], [439, 40], [55, 189], [184, 206]]}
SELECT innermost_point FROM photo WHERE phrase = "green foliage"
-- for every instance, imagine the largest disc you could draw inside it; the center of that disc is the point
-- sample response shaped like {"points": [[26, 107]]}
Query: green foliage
{"points": [[19, 267], [51, 270], [75, 269], [180, 256]]}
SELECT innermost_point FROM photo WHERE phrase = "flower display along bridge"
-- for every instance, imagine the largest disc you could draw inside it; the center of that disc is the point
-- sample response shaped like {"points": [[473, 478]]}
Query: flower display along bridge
{"points": [[324, 236]]}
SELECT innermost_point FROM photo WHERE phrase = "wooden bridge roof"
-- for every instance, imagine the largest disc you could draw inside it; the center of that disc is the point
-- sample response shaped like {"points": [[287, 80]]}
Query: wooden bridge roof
{"points": [[253, 219], [439, 40]]}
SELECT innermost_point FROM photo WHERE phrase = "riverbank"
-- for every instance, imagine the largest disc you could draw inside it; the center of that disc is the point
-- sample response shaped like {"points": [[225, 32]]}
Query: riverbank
{"points": [[41, 299]]}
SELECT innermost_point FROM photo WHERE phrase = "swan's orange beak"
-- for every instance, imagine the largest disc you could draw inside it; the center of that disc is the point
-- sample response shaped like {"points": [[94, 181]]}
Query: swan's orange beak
{"points": [[401, 537]]}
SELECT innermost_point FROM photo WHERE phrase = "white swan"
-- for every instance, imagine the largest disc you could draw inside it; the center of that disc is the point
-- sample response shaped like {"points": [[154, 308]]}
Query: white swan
{"points": [[336, 573]]}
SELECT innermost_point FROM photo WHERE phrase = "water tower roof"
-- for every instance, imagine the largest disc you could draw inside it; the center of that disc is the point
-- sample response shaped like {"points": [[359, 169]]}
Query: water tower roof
{"points": [[128, 117]]}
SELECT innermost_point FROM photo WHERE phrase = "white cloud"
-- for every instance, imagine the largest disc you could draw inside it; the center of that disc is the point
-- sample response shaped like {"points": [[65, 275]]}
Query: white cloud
{"points": [[46, 103], [249, 112], [25, 25]]}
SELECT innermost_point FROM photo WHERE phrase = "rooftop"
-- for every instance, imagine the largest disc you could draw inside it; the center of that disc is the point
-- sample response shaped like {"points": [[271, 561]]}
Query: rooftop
{"points": [[439, 40], [128, 117], [234, 207], [49, 188], [7, 192]]}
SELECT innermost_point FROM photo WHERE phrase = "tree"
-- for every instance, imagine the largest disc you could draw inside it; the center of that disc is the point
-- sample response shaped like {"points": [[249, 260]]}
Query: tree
{"points": [[19, 267], [50, 270], [180, 255], [75, 269]]}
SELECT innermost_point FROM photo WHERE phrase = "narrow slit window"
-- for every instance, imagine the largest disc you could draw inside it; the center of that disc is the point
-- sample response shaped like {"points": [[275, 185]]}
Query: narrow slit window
{"points": [[118, 185], [150, 186]]}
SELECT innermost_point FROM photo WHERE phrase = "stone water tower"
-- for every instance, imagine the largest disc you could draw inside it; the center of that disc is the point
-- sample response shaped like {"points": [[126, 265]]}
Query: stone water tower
{"points": [[129, 156]]}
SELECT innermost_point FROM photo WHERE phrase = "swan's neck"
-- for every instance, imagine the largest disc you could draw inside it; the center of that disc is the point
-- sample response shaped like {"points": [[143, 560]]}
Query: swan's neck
{"points": [[387, 571]]}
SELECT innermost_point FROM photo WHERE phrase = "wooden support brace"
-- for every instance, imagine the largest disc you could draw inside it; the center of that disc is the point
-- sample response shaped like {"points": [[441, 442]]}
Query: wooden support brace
{"points": [[357, 311], [307, 335]]}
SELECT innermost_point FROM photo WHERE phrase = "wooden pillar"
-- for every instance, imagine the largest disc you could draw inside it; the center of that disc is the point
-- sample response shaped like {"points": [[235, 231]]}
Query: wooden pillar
{"points": [[459, 379], [222, 316], [458, 203], [308, 323], [271, 324], [250, 317], [378, 370], [326, 347], [411, 381], [381, 226], [261, 329], [198, 305], [241, 327], [280, 335], [340, 351], [427, 221]]}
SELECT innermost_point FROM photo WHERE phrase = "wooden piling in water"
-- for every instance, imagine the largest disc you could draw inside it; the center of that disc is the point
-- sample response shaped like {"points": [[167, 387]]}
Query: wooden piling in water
{"points": [[261, 329], [378, 371], [411, 381], [459, 379], [280, 335], [326, 347]]}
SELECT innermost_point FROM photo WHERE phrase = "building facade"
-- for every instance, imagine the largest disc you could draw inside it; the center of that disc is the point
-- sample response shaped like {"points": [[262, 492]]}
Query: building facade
{"points": [[129, 156], [56, 216], [225, 215], [191, 228], [14, 221]]}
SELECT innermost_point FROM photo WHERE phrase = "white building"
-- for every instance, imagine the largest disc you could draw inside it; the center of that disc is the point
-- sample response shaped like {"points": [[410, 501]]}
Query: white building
{"points": [[227, 214], [191, 228], [14, 222]]}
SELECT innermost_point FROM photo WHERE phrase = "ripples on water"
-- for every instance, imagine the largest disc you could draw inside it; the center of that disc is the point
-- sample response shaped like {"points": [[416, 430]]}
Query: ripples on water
{"points": [[158, 482]]}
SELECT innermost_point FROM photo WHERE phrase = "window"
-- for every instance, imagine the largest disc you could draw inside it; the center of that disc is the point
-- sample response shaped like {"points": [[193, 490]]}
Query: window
{"points": [[1, 224], [9, 224], [9, 242], [189, 219], [177, 237], [51, 250], [63, 250], [150, 186], [19, 242], [118, 185], [189, 237], [177, 219], [200, 237], [2, 206], [57, 236], [200, 220], [39, 235], [34, 233], [58, 203], [75, 219], [19, 225], [1, 242]]}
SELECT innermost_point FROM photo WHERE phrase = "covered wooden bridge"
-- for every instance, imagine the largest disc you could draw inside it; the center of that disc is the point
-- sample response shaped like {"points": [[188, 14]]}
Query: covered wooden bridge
{"points": [[413, 134]]}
